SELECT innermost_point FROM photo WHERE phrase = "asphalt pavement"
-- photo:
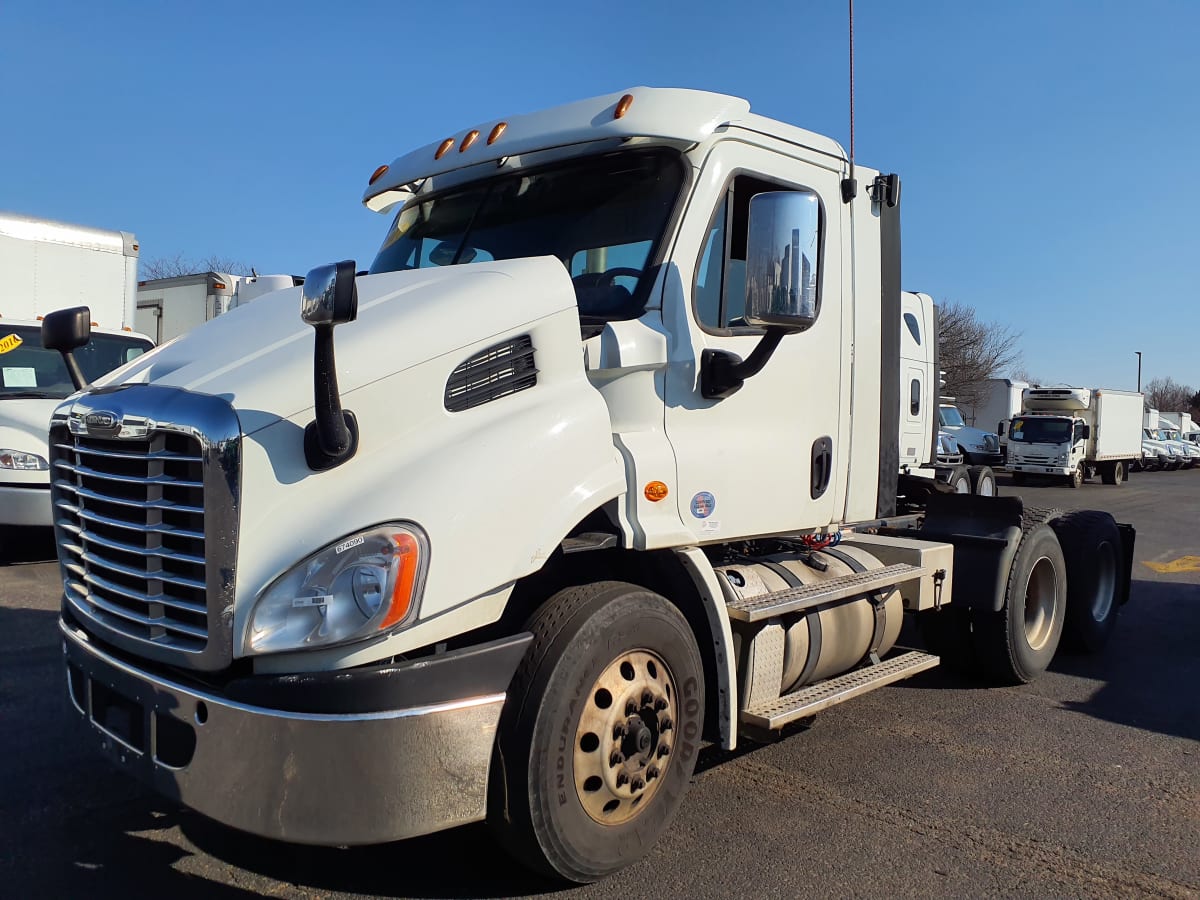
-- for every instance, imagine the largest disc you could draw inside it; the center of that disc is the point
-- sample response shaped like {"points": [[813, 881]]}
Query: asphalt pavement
{"points": [[1085, 783]]}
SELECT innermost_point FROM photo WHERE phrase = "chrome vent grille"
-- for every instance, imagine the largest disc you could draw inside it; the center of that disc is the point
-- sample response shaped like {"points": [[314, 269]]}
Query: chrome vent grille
{"points": [[145, 485], [132, 518], [493, 373]]}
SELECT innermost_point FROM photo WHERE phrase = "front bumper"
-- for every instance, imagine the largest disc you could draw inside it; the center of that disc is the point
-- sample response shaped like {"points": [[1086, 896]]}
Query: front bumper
{"points": [[25, 505], [983, 457], [1039, 469], [394, 762]]}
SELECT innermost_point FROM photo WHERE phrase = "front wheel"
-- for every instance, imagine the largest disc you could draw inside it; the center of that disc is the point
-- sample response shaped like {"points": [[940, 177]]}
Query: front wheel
{"points": [[1076, 478], [600, 731]]}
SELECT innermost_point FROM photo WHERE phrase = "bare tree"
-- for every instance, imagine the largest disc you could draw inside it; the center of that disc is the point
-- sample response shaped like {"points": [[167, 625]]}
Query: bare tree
{"points": [[1194, 405], [970, 351], [1168, 395], [177, 265], [1023, 374]]}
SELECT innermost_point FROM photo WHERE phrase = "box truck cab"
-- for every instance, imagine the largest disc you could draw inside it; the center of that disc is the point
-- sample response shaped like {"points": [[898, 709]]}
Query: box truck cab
{"points": [[1072, 432]]}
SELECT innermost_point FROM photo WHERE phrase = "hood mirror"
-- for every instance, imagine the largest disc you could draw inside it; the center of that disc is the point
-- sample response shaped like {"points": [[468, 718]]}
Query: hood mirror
{"points": [[330, 298], [66, 330]]}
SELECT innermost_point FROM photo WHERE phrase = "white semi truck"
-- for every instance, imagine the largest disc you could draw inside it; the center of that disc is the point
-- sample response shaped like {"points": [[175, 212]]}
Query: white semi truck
{"points": [[167, 307], [48, 265], [606, 466], [1070, 433]]}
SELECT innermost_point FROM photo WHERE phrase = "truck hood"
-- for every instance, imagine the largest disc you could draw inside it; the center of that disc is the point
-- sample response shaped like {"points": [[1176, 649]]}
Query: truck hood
{"points": [[259, 357], [974, 438], [25, 424]]}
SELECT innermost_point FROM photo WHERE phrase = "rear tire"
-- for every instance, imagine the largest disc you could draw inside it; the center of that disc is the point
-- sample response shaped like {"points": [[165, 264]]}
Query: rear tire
{"points": [[1113, 473], [983, 481], [1016, 644], [606, 658], [960, 480], [1091, 548]]}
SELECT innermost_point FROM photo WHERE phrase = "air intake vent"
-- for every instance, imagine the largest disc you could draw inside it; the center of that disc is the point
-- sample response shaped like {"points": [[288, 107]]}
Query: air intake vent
{"points": [[494, 373]]}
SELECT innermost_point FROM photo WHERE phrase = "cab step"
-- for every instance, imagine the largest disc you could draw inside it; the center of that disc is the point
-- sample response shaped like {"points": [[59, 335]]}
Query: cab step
{"points": [[797, 599], [810, 700]]}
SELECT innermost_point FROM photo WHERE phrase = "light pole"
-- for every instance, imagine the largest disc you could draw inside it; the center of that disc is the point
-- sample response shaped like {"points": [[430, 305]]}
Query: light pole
{"points": [[1139, 356]]}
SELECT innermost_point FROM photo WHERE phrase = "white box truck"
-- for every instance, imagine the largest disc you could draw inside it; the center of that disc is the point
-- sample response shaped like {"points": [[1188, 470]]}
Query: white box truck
{"points": [[1070, 433], [167, 307], [579, 489], [44, 266]]}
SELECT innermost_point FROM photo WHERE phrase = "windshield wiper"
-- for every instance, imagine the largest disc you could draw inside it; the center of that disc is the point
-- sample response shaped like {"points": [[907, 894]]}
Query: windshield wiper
{"points": [[32, 395]]}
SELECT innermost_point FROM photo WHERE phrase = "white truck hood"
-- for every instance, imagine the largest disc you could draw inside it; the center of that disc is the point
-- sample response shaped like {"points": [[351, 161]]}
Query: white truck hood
{"points": [[259, 357], [25, 424]]}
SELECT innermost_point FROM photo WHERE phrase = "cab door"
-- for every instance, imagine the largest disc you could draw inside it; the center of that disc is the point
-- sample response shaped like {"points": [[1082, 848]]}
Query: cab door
{"points": [[772, 456]]}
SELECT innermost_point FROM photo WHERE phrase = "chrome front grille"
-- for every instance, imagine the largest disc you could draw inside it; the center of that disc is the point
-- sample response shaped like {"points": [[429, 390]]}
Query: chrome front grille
{"points": [[133, 511], [144, 486]]}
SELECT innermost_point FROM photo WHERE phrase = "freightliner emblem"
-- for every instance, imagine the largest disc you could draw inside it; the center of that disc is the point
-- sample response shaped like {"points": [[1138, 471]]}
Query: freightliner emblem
{"points": [[105, 420]]}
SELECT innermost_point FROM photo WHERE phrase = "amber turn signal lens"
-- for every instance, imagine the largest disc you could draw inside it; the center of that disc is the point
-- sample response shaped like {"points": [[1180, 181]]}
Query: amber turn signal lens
{"points": [[377, 174], [444, 148], [623, 106], [496, 132], [656, 491], [409, 553]]}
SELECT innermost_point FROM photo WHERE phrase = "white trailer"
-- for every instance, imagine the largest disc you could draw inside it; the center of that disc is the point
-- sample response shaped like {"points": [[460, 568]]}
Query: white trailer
{"points": [[616, 472], [1001, 401], [168, 307], [46, 266], [1073, 432], [1179, 421]]}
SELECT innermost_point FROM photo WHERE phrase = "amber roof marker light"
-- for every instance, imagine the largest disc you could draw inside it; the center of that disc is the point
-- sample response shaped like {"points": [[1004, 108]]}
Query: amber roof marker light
{"points": [[623, 106], [377, 174], [444, 148], [496, 132], [471, 138]]}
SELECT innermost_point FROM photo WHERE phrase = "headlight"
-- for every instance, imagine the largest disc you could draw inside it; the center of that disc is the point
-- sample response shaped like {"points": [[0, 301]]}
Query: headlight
{"points": [[26, 462], [365, 585]]}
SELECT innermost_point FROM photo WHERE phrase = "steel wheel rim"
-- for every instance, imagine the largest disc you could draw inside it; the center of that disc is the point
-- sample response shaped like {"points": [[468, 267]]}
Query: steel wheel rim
{"points": [[624, 739], [1041, 598], [962, 485], [987, 487]]}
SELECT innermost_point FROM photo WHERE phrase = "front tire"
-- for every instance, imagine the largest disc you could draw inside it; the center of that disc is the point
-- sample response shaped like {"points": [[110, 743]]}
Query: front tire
{"points": [[599, 736], [1076, 478]]}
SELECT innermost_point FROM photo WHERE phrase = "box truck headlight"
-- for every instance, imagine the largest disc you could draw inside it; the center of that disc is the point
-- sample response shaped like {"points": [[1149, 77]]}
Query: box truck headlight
{"points": [[366, 585], [25, 462]]}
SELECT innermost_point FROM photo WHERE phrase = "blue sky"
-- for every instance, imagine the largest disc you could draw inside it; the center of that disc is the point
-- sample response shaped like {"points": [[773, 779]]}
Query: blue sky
{"points": [[1047, 148]]}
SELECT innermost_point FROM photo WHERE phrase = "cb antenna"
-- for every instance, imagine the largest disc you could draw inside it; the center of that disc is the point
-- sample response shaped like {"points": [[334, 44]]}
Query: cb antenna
{"points": [[850, 185]]}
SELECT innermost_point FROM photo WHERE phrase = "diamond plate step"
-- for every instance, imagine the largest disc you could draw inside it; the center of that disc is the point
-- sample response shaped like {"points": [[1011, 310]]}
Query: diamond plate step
{"points": [[816, 697], [764, 606]]}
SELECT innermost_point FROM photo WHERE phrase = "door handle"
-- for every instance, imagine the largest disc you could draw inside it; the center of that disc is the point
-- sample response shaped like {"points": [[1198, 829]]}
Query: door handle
{"points": [[822, 465]]}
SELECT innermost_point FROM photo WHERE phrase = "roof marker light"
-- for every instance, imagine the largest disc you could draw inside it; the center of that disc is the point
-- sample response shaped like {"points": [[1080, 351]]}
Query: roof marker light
{"points": [[470, 139], [377, 174], [496, 132], [623, 106], [444, 148]]}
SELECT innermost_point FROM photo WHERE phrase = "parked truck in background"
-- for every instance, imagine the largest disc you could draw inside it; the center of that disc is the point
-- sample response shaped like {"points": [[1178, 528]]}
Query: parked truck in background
{"points": [[978, 446], [1001, 401], [1168, 432], [47, 265], [1070, 433], [167, 307], [579, 489]]}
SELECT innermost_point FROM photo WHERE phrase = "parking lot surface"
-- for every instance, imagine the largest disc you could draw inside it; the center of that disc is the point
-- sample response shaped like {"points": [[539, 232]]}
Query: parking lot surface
{"points": [[1085, 783]]}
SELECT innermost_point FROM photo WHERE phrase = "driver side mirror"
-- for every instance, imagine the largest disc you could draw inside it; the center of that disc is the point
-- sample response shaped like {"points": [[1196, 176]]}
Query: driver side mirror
{"points": [[783, 254], [66, 330], [1087, 432]]}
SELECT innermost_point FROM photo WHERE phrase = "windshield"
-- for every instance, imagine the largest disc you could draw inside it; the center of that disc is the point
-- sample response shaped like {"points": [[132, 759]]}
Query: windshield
{"points": [[950, 416], [1040, 431], [603, 217], [27, 369]]}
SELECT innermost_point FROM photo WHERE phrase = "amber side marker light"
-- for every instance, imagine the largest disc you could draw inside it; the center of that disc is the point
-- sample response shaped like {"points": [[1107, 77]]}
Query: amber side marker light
{"points": [[496, 132], [623, 106], [444, 148], [409, 552], [377, 174], [656, 491]]}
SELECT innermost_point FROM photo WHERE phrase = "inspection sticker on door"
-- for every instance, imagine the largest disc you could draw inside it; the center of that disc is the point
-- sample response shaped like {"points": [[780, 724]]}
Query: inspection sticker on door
{"points": [[703, 505]]}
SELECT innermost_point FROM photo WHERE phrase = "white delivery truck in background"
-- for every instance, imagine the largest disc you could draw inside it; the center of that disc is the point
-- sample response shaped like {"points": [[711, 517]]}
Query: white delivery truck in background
{"points": [[1072, 432], [1179, 421], [1168, 431], [167, 307], [607, 464], [1001, 401], [45, 266]]}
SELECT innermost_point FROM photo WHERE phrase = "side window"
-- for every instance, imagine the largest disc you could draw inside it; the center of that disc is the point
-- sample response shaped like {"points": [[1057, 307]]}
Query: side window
{"points": [[914, 397], [720, 294], [913, 328]]}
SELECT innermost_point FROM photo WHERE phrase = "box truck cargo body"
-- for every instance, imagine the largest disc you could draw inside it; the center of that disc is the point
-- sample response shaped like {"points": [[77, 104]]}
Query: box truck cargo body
{"points": [[168, 307]]}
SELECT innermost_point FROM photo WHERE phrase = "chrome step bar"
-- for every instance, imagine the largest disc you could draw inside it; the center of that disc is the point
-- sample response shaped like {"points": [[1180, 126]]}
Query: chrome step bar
{"points": [[778, 603], [812, 699]]}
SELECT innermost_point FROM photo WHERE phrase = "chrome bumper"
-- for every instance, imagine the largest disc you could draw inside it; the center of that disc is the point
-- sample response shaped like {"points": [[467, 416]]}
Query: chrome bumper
{"points": [[313, 778]]}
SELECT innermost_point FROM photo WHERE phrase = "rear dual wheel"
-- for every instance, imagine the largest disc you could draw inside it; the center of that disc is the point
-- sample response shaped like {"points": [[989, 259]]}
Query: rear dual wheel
{"points": [[598, 738]]}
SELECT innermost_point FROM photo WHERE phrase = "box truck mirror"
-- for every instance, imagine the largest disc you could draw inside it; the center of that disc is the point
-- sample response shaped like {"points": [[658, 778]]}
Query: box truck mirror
{"points": [[66, 330]]}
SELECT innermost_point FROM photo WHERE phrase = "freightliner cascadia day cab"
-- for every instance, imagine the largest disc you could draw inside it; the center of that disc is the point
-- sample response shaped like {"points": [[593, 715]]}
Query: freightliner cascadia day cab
{"points": [[47, 265], [600, 463], [1070, 433]]}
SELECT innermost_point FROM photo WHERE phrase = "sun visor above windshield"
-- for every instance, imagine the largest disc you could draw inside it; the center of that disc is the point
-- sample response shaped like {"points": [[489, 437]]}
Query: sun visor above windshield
{"points": [[672, 115]]}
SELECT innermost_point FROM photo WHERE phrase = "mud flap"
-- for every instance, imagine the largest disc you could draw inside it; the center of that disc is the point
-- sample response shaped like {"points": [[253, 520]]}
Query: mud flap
{"points": [[985, 532], [1128, 535]]}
